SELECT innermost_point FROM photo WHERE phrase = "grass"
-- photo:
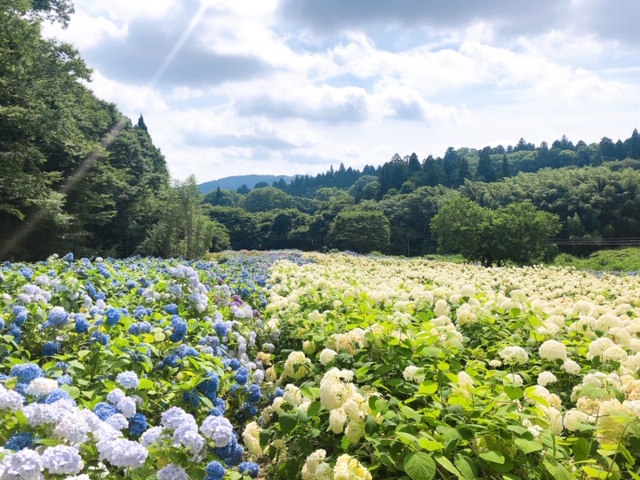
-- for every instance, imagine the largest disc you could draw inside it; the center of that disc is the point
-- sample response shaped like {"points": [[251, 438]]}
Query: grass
{"points": [[619, 260]]}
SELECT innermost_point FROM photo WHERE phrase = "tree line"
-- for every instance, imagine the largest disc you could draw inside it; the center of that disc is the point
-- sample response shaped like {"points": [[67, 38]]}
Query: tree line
{"points": [[593, 202]]}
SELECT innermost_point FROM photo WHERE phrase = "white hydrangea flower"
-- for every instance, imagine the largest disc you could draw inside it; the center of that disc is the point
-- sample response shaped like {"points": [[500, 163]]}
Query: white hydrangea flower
{"points": [[514, 355], [117, 421], [553, 350], [72, 428], [39, 387], [571, 367], [348, 468], [513, 378], [115, 396], [545, 378], [251, 438], [326, 356], [152, 436], [598, 347], [296, 365], [413, 374], [315, 468], [337, 419]]}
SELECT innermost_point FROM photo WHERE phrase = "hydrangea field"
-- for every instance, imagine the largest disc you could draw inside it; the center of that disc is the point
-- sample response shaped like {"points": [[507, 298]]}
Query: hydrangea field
{"points": [[282, 365]]}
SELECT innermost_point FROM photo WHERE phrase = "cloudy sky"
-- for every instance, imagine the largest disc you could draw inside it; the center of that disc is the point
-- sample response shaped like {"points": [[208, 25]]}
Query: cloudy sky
{"points": [[231, 87]]}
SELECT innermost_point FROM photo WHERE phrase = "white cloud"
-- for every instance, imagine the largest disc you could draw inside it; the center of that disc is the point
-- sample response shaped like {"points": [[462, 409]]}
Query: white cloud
{"points": [[285, 101], [86, 31]]}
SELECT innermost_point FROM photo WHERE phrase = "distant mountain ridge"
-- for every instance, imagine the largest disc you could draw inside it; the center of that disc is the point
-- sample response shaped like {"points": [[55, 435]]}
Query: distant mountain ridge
{"points": [[236, 181]]}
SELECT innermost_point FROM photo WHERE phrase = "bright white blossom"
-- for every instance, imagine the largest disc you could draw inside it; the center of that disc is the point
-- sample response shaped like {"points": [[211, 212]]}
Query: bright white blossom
{"points": [[553, 350], [296, 366], [412, 373], [545, 378], [327, 355], [315, 467], [514, 355], [40, 387], [348, 468]]}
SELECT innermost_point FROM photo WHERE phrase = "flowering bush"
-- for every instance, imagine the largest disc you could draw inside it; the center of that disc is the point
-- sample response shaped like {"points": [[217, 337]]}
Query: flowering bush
{"points": [[323, 367], [136, 368]]}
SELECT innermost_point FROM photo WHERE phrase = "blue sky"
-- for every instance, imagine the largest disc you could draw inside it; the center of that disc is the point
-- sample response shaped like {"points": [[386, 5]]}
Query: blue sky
{"points": [[231, 87]]}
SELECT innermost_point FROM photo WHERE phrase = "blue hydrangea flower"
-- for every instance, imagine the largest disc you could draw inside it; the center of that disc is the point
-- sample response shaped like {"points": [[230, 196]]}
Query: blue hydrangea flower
{"points": [[20, 315], [186, 351], [139, 311], [1, 324], [139, 328], [113, 316], [68, 257], [104, 271], [236, 457], [171, 309], [249, 468], [221, 329], [51, 348], [214, 471], [26, 372], [254, 394], [179, 328], [246, 411], [169, 361], [58, 394], [104, 410], [101, 338], [82, 325], [26, 273], [242, 376], [209, 387], [91, 290], [137, 425], [209, 340], [234, 363], [65, 379], [20, 440], [191, 398], [227, 451], [15, 331], [57, 318]]}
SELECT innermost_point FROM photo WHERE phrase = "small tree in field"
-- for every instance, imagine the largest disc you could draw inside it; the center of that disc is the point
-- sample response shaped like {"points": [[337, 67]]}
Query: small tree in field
{"points": [[361, 231], [518, 233]]}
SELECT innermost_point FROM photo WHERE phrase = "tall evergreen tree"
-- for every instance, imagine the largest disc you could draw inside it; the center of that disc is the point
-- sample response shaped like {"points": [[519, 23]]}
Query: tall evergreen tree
{"points": [[505, 171], [486, 172]]}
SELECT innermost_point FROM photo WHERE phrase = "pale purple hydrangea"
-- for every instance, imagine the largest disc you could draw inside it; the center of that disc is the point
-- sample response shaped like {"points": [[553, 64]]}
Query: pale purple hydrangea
{"points": [[62, 460], [219, 429], [128, 380]]}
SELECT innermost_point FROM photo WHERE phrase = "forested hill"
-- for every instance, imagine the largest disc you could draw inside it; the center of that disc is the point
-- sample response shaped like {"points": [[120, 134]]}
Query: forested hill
{"points": [[75, 175], [488, 164], [238, 181], [591, 203]]}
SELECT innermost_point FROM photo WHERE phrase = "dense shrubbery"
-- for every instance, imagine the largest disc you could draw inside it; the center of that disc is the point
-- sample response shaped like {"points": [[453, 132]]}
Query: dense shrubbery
{"points": [[351, 368]]}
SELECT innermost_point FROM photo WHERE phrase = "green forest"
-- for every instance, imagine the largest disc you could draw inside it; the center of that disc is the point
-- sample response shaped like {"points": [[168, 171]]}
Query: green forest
{"points": [[77, 175]]}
